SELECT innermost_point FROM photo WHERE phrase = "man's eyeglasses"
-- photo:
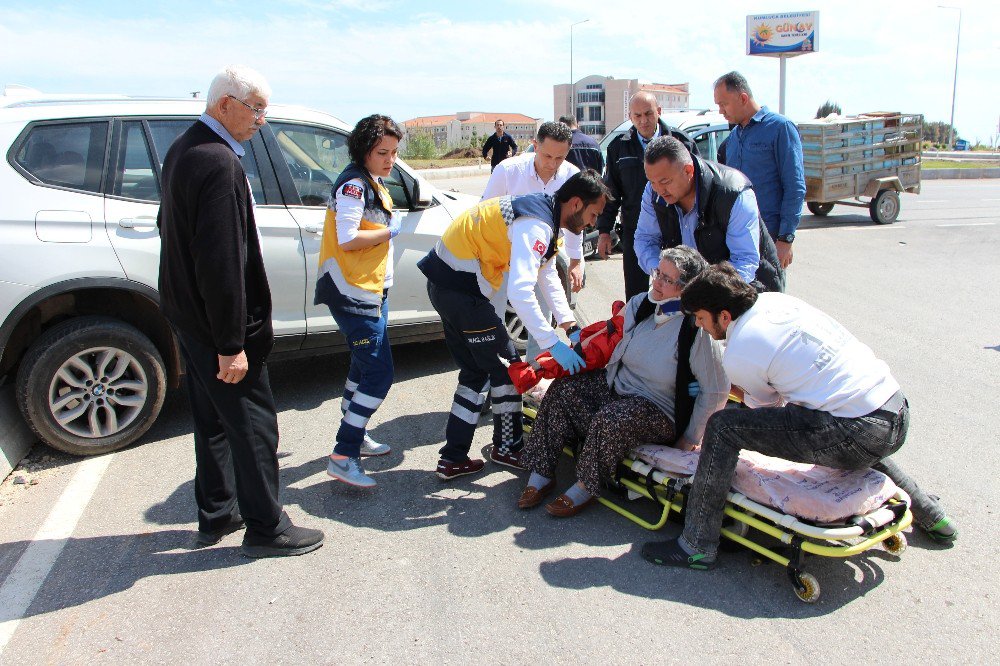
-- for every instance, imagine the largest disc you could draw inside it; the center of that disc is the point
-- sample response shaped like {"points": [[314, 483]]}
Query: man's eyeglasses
{"points": [[662, 277], [257, 113]]}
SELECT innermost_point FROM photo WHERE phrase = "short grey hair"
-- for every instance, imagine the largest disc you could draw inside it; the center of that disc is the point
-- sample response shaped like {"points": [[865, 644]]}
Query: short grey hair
{"points": [[667, 148], [238, 81], [689, 262], [734, 82]]}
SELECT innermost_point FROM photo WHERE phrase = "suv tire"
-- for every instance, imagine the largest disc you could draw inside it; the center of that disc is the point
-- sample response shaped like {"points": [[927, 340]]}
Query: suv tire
{"points": [[91, 385]]}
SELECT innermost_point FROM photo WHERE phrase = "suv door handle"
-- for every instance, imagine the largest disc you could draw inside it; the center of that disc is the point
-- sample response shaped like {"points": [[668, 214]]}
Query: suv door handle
{"points": [[313, 228], [133, 222]]}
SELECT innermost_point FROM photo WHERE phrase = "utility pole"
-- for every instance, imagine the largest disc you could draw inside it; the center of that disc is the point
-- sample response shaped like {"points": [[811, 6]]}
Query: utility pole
{"points": [[572, 82]]}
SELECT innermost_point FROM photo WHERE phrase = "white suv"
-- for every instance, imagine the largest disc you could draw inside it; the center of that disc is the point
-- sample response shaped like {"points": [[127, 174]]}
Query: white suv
{"points": [[80, 330]]}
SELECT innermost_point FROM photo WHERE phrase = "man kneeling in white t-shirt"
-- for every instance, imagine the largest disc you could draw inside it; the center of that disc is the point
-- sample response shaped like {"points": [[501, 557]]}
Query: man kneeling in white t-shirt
{"points": [[817, 395]]}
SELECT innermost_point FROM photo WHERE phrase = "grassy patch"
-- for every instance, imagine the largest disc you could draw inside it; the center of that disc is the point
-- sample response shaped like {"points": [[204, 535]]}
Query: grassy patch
{"points": [[958, 164], [441, 163]]}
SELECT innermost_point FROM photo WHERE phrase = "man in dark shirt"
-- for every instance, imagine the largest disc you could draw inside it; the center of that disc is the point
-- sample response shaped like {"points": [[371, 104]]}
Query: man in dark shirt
{"points": [[501, 143], [214, 292], [584, 153], [626, 178]]}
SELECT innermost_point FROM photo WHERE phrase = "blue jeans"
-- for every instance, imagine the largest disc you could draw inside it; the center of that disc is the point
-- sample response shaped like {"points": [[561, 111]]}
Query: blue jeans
{"points": [[801, 435], [369, 377]]}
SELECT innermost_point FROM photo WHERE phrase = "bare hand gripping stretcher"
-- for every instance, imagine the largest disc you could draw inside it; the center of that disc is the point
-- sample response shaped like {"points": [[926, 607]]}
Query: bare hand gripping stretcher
{"points": [[806, 508]]}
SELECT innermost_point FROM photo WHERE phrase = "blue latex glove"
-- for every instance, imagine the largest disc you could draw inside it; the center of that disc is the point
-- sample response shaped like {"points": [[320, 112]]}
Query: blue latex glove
{"points": [[395, 226], [574, 337], [694, 389], [567, 359]]}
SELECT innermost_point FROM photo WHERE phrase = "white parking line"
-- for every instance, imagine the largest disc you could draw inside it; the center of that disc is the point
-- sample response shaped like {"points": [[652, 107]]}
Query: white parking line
{"points": [[24, 581], [967, 224]]}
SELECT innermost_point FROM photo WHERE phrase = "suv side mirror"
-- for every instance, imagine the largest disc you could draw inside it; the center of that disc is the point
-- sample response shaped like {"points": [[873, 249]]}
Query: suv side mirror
{"points": [[420, 201]]}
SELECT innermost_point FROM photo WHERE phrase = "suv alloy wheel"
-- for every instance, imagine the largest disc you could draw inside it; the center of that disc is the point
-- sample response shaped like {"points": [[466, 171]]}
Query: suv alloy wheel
{"points": [[91, 385]]}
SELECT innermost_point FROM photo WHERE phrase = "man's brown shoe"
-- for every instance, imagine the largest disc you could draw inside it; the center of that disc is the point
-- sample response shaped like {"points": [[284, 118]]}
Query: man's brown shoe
{"points": [[532, 496], [563, 507]]}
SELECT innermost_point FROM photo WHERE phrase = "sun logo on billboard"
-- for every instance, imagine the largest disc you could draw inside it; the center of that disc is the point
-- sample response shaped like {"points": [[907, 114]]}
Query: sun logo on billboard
{"points": [[763, 33]]}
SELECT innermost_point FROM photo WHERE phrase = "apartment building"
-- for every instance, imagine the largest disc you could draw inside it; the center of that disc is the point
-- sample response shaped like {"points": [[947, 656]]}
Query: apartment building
{"points": [[602, 101], [459, 129]]}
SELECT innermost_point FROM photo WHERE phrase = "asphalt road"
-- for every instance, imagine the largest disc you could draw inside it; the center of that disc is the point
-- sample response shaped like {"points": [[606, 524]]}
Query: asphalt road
{"points": [[426, 572]]}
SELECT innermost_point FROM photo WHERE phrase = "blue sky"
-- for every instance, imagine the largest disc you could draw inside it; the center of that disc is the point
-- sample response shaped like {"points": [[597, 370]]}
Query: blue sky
{"points": [[354, 57]]}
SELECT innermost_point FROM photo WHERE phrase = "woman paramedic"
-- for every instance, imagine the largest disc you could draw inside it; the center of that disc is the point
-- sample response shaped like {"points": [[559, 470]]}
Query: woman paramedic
{"points": [[355, 274], [644, 395]]}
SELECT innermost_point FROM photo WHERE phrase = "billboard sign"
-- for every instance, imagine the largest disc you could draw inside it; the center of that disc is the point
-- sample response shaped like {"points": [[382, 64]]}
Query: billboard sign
{"points": [[788, 34]]}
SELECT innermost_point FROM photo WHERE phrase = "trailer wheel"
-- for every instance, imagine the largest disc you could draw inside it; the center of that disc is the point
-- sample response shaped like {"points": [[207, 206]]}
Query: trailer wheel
{"points": [[884, 208], [820, 209]]}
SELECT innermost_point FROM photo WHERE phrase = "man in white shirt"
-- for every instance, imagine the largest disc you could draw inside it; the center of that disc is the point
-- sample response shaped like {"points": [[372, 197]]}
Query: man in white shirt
{"points": [[491, 254], [544, 170], [817, 395]]}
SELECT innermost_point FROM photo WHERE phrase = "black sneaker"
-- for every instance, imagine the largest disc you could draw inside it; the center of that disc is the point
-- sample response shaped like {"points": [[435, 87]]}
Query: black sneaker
{"points": [[293, 541], [670, 553], [204, 539]]}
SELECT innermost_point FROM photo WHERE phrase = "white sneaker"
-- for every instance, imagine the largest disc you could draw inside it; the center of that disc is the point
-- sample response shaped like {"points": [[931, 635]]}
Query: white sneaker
{"points": [[350, 471], [371, 448]]}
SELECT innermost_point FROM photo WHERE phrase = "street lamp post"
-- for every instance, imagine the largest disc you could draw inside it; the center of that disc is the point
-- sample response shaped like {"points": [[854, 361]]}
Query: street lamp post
{"points": [[572, 83], [954, 84]]}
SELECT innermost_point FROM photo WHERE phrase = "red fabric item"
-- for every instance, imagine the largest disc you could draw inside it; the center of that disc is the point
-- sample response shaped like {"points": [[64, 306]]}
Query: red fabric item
{"points": [[597, 342]]}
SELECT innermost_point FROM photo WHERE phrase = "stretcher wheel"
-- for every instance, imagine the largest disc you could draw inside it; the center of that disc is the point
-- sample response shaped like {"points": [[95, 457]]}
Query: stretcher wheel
{"points": [[807, 588], [895, 544]]}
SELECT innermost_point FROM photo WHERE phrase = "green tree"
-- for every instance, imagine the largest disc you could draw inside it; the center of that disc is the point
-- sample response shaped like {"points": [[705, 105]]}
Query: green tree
{"points": [[420, 145], [474, 142], [938, 132], [827, 108]]}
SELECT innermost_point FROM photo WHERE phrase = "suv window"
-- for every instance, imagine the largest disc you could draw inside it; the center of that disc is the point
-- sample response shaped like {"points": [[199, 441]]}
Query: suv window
{"points": [[135, 178], [66, 154], [165, 132], [316, 156]]}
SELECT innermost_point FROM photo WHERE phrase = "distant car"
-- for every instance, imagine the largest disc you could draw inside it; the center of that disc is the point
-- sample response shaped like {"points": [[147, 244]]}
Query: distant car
{"points": [[962, 144]]}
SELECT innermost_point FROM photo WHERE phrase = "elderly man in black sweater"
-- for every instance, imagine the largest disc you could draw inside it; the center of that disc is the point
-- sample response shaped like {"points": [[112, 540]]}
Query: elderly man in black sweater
{"points": [[214, 291]]}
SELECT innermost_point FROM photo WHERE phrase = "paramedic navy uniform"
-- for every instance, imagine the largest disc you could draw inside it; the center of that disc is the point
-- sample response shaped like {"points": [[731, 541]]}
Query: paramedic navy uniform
{"points": [[492, 253]]}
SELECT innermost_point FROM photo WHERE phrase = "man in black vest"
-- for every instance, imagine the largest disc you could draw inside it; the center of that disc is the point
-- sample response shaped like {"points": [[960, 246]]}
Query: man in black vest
{"points": [[627, 180], [701, 204], [214, 292]]}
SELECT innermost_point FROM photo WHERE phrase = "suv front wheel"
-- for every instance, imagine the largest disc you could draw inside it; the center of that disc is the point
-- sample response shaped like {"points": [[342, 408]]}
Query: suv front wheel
{"points": [[91, 385]]}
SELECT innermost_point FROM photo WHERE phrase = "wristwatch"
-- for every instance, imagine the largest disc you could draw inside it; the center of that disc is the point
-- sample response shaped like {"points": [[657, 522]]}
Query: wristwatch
{"points": [[786, 238]]}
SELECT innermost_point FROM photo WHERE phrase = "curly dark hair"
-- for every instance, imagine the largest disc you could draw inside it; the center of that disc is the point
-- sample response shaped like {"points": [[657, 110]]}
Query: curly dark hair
{"points": [[587, 184], [367, 133], [719, 288]]}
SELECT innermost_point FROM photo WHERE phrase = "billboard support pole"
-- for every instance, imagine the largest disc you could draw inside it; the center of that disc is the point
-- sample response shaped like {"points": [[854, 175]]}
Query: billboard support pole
{"points": [[781, 82]]}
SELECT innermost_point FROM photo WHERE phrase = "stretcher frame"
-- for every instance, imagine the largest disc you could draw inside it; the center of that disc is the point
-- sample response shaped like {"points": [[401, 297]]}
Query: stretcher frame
{"points": [[882, 526]]}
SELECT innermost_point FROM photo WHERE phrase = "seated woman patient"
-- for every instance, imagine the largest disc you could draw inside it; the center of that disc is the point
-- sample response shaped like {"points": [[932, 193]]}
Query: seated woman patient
{"points": [[645, 395]]}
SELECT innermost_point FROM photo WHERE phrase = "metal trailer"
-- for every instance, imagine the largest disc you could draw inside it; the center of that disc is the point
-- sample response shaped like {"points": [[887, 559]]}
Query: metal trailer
{"points": [[863, 161]]}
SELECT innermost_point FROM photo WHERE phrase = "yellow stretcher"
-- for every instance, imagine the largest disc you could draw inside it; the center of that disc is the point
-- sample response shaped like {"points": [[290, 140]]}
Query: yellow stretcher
{"points": [[797, 537]]}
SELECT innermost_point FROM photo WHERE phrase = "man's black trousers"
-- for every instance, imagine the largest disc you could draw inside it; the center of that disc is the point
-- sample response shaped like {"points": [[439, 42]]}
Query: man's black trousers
{"points": [[235, 444]]}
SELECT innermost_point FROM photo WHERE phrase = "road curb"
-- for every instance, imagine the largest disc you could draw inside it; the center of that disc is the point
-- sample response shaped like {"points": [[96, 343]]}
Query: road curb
{"points": [[941, 174], [455, 172], [16, 439]]}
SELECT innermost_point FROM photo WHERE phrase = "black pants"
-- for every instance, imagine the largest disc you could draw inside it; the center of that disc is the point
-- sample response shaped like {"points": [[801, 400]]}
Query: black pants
{"points": [[477, 339], [235, 444], [636, 279]]}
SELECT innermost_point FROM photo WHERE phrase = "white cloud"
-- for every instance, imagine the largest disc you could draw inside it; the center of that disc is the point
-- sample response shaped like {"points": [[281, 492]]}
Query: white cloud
{"points": [[411, 59]]}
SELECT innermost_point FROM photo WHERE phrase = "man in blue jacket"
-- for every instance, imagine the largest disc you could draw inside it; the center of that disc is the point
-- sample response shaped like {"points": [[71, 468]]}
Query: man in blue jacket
{"points": [[766, 147]]}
